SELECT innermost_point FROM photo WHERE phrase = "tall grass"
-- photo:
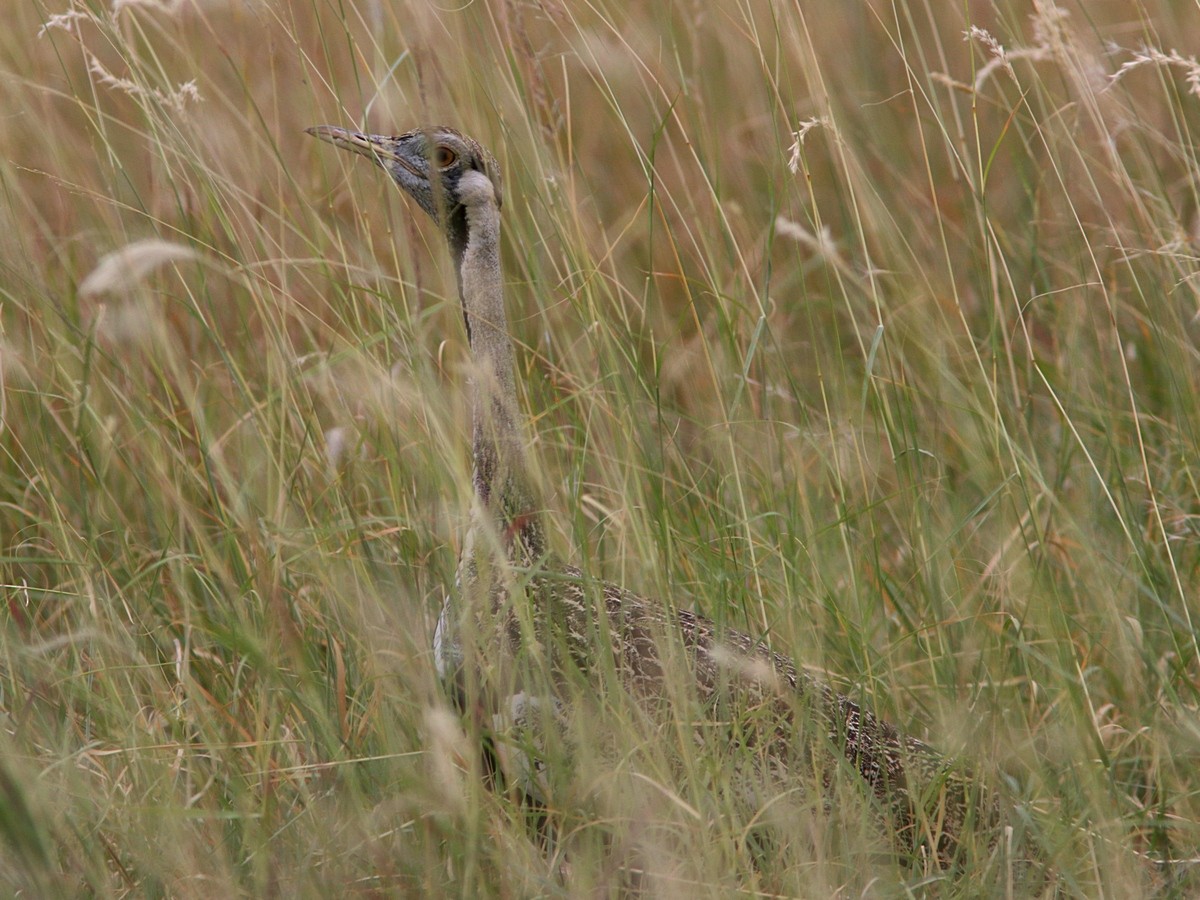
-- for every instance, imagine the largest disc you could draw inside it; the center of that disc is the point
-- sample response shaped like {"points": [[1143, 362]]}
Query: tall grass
{"points": [[838, 326]]}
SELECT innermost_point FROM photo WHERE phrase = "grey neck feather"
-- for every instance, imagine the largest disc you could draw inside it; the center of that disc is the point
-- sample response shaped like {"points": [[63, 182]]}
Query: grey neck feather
{"points": [[501, 479]]}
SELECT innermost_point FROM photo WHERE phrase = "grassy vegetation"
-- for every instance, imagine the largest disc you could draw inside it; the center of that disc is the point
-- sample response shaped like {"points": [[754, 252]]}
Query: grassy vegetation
{"points": [[835, 326]]}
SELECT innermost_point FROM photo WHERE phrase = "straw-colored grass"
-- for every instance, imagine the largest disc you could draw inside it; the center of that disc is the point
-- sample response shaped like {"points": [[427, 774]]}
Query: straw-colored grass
{"points": [[867, 327]]}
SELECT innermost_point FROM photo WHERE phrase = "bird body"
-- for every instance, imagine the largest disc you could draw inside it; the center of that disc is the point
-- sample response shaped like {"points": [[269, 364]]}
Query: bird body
{"points": [[514, 599]]}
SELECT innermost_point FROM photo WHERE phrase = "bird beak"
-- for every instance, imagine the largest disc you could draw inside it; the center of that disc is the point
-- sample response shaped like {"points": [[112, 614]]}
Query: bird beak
{"points": [[377, 147]]}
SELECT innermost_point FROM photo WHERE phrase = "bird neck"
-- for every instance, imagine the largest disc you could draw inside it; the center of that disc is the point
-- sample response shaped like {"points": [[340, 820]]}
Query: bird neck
{"points": [[500, 477]]}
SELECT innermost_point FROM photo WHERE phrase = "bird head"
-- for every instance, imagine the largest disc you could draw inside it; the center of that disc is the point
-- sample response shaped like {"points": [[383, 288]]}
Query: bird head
{"points": [[442, 169]]}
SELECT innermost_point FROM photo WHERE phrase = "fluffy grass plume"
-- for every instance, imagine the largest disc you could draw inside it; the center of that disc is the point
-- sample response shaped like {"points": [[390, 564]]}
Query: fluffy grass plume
{"points": [[869, 328]]}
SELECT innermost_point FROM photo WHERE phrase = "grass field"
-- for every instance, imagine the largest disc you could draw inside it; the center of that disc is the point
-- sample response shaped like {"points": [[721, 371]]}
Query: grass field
{"points": [[867, 327]]}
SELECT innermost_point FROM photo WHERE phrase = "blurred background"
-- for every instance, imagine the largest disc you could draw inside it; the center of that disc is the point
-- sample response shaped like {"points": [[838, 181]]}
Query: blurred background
{"points": [[869, 328]]}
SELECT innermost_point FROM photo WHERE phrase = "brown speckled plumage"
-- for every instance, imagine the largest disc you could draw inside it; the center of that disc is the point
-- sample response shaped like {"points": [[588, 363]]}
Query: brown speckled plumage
{"points": [[510, 595], [928, 798]]}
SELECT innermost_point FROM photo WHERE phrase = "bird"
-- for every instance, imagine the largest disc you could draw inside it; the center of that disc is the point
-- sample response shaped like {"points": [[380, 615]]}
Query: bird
{"points": [[512, 595]]}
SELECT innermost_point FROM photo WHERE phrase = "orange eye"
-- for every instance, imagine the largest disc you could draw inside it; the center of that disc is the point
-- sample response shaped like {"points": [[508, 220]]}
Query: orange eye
{"points": [[444, 157]]}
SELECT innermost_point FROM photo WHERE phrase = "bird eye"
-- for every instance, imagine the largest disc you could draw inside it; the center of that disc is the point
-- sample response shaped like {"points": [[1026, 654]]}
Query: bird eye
{"points": [[444, 157]]}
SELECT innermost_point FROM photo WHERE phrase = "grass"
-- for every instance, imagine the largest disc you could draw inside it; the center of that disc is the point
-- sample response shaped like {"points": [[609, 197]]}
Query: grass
{"points": [[914, 394]]}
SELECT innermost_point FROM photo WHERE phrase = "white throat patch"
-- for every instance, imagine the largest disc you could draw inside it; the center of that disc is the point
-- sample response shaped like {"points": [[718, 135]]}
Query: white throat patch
{"points": [[475, 188]]}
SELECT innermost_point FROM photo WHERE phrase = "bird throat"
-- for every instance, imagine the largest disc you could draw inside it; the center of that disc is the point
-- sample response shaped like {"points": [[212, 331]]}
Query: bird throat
{"points": [[501, 477]]}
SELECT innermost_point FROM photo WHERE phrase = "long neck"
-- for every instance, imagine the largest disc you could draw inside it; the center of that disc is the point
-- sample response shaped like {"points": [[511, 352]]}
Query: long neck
{"points": [[501, 478]]}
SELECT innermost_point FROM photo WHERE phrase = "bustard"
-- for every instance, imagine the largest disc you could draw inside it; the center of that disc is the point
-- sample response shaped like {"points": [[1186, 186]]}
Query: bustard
{"points": [[512, 594]]}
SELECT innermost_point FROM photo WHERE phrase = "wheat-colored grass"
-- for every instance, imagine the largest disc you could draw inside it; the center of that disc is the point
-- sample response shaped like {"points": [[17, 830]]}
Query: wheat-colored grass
{"points": [[867, 327]]}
